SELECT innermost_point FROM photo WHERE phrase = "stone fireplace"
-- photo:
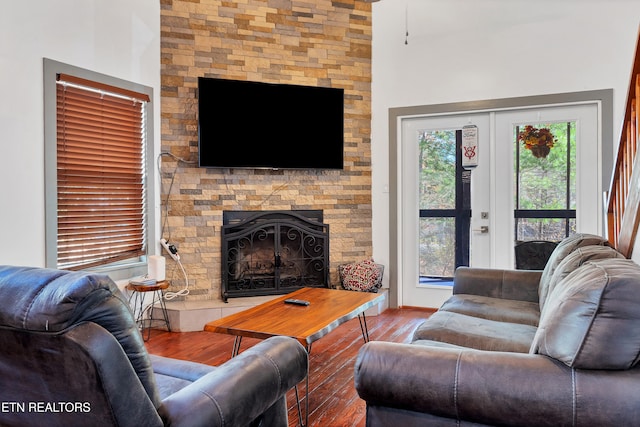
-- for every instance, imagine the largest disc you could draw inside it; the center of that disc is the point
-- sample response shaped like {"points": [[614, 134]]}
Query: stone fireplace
{"points": [[273, 252]]}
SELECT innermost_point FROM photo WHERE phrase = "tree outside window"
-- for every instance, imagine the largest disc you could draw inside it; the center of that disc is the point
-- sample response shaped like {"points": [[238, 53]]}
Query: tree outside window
{"points": [[545, 191]]}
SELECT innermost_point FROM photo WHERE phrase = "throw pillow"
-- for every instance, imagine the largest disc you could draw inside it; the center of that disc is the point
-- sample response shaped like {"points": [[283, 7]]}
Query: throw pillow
{"points": [[361, 276]]}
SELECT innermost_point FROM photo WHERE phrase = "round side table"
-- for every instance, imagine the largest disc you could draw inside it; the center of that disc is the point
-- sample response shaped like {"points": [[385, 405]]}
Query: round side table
{"points": [[144, 314]]}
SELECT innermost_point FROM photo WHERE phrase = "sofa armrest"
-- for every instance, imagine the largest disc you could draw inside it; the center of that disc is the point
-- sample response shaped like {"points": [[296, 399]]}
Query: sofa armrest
{"points": [[241, 389], [493, 388], [498, 283]]}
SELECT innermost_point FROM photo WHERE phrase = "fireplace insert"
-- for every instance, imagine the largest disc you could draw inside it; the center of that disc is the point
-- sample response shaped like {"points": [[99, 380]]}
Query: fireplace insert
{"points": [[273, 252]]}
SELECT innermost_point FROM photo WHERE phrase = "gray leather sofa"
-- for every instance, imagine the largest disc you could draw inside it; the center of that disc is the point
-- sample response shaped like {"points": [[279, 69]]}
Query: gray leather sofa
{"points": [[558, 347], [72, 355]]}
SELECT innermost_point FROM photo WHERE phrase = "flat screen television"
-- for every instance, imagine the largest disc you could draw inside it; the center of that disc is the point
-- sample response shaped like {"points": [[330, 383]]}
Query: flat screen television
{"points": [[244, 124]]}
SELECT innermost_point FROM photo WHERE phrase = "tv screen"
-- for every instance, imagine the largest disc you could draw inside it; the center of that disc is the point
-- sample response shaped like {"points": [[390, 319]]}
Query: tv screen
{"points": [[244, 124]]}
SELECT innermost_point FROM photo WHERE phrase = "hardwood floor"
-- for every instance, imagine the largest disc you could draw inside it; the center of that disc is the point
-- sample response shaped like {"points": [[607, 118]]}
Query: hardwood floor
{"points": [[333, 400]]}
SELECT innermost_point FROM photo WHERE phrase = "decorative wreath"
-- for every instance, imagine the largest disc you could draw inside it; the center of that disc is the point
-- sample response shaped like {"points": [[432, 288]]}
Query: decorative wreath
{"points": [[532, 136]]}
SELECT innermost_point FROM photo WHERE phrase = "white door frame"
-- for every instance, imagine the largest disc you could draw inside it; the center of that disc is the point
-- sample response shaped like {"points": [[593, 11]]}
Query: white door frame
{"points": [[603, 99]]}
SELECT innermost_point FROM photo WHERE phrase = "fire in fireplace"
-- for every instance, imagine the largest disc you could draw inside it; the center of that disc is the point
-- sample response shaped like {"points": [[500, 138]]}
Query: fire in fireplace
{"points": [[273, 252]]}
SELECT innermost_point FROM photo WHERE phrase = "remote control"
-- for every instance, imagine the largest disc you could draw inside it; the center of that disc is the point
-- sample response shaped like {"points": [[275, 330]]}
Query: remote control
{"points": [[296, 301]]}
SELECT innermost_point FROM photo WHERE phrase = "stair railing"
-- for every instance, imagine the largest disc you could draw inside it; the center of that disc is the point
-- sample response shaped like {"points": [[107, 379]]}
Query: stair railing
{"points": [[623, 215]]}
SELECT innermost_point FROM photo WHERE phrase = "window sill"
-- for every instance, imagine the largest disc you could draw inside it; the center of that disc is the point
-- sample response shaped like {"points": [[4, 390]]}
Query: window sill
{"points": [[122, 271]]}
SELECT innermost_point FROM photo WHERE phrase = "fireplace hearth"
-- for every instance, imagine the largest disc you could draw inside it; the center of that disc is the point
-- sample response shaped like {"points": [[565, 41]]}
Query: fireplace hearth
{"points": [[273, 252]]}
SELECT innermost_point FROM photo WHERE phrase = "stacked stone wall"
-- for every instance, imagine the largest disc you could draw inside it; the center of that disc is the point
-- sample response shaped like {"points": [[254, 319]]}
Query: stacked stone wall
{"points": [[317, 43]]}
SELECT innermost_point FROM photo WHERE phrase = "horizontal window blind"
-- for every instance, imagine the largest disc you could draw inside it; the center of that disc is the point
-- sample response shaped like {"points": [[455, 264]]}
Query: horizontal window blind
{"points": [[100, 173]]}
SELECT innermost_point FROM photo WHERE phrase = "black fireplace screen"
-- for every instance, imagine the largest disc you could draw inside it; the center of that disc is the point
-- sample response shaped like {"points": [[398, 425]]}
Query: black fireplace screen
{"points": [[273, 252]]}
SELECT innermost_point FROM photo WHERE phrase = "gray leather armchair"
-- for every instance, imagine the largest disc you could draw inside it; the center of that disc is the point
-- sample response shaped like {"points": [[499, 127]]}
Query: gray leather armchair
{"points": [[71, 354]]}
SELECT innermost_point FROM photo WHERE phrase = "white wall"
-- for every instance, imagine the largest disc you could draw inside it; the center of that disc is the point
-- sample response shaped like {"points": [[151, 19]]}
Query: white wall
{"points": [[120, 38], [471, 50]]}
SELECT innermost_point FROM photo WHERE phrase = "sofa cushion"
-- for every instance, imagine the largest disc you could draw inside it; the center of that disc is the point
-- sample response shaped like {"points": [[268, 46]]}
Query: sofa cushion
{"points": [[475, 332], [592, 317], [574, 260], [564, 248], [499, 309]]}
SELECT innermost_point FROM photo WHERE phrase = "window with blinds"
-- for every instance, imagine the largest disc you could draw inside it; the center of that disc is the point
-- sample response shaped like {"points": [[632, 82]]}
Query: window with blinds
{"points": [[101, 203]]}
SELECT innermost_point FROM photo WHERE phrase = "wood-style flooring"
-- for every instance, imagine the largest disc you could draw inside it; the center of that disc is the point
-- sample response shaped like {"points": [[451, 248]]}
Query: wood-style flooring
{"points": [[333, 400]]}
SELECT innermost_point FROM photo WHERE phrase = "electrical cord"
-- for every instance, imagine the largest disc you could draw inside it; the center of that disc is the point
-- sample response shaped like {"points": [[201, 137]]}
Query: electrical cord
{"points": [[184, 291], [173, 177]]}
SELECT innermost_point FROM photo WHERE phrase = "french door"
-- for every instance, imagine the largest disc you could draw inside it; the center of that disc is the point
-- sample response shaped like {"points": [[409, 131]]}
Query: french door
{"points": [[494, 205], [580, 209]]}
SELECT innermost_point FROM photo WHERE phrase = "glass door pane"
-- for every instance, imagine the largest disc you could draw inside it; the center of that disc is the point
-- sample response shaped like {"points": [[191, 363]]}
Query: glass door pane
{"points": [[437, 247], [545, 176], [438, 192]]}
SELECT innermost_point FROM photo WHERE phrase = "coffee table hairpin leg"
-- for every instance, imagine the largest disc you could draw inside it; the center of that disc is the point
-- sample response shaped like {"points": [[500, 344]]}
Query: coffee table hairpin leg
{"points": [[363, 327], [365, 336], [306, 403], [236, 345]]}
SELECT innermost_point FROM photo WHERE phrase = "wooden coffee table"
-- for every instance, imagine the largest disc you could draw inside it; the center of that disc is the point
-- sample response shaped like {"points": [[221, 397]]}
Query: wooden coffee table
{"points": [[327, 309]]}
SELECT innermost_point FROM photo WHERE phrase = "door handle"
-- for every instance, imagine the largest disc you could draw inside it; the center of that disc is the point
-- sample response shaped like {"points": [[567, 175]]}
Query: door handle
{"points": [[483, 229], [278, 260]]}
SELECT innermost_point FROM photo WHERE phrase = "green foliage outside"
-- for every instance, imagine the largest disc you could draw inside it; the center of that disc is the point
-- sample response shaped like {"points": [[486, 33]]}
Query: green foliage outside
{"points": [[437, 169], [437, 163], [542, 183]]}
